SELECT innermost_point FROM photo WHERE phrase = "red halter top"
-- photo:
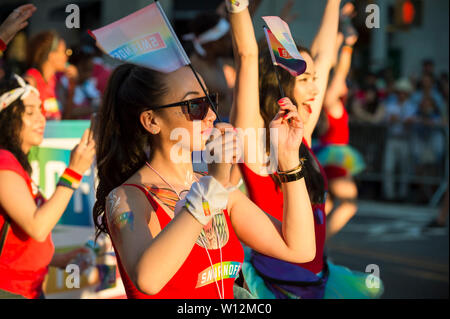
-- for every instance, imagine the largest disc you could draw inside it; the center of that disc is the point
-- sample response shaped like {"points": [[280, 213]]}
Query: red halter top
{"points": [[195, 279], [338, 131]]}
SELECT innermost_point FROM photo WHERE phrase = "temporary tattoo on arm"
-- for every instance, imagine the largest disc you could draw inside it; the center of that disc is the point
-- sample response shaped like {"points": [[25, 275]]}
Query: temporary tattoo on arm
{"points": [[119, 221], [123, 220]]}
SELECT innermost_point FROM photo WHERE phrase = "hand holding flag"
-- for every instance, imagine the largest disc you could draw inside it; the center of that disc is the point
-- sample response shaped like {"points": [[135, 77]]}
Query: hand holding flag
{"points": [[282, 47]]}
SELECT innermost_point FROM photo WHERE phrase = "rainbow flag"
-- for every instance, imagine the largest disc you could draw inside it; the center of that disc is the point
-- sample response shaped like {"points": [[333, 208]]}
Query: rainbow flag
{"points": [[145, 38], [284, 52]]}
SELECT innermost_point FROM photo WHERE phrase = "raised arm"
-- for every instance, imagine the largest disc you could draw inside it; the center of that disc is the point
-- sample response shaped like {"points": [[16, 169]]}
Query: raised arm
{"points": [[245, 113], [293, 240], [245, 110], [15, 198], [15, 22], [338, 82], [322, 51]]}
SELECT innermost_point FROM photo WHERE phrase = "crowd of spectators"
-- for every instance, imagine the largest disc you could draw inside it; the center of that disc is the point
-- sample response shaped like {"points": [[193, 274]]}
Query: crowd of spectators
{"points": [[410, 116]]}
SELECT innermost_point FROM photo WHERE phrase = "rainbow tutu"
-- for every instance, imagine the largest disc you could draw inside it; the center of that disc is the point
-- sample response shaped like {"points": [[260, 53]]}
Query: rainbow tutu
{"points": [[341, 157], [342, 283]]}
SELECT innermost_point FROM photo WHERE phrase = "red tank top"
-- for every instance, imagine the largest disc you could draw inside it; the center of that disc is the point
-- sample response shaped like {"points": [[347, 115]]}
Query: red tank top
{"points": [[265, 193], [47, 92], [195, 279], [24, 261], [338, 131]]}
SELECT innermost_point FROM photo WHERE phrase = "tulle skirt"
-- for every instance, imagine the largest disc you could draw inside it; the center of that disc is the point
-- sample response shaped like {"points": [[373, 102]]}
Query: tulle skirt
{"points": [[342, 283], [340, 160]]}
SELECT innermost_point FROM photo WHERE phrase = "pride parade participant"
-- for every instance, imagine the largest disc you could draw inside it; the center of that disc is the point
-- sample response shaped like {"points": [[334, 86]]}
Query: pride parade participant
{"points": [[47, 59], [177, 233], [340, 161], [26, 218], [267, 277]]}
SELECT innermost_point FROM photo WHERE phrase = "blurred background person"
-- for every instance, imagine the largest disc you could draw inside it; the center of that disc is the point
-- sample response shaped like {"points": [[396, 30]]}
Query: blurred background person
{"points": [[339, 160], [81, 96], [428, 88], [101, 70], [427, 142], [212, 56], [397, 148], [26, 218], [47, 59], [367, 104]]}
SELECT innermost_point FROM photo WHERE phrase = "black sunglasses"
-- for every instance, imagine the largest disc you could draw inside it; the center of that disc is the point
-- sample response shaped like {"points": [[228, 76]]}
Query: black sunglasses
{"points": [[196, 108]]}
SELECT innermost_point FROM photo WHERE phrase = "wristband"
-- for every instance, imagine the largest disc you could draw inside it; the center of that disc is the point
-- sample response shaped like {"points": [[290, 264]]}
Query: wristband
{"points": [[236, 6], [348, 48], [70, 179], [206, 198]]}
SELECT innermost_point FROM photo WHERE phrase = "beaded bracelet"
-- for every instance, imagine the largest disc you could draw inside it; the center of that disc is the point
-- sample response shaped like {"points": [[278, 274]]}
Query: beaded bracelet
{"points": [[70, 179]]}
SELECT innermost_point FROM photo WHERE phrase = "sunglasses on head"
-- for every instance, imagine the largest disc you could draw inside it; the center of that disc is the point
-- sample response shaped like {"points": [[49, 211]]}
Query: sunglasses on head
{"points": [[197, 108]]}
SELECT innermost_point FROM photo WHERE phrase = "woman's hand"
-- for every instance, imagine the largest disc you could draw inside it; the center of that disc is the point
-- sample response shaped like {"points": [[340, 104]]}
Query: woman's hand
{"points": [[71, 73], [351, 40], [83, 154], [290, 134], [224, 148], [15, 22], [348, 10]]}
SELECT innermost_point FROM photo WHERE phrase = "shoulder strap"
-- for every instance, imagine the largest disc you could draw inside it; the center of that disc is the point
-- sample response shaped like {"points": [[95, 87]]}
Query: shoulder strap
{"points": [[164, 219]]}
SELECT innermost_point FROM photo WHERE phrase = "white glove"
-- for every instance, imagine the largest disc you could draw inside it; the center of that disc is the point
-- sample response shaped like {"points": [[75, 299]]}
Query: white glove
{"points": [[206, 198]]}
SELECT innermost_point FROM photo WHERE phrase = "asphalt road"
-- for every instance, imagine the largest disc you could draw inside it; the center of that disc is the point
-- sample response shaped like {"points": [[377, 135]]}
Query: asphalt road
{"points": [[412, 263]]}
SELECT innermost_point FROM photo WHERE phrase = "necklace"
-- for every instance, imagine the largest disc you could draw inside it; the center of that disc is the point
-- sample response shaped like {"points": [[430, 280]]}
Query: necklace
{"points": [[221, 295]]}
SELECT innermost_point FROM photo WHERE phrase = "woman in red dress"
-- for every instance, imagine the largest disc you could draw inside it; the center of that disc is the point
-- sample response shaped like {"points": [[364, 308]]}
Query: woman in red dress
{"points": [[254, 106], [26, 219]]}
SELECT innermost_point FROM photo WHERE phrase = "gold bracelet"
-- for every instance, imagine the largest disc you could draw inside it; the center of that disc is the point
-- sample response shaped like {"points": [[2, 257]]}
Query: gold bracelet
{"points": [[296, 169], [292, 177]]}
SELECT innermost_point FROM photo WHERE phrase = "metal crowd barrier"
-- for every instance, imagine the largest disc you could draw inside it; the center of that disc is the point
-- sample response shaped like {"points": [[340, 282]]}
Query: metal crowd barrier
{"points": [[371, 140]]}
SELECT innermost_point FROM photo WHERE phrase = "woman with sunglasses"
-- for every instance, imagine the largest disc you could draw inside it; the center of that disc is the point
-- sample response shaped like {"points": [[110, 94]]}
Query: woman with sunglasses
{"points": [[177, 233], [267, 277], [47, 59], [26, 219]]}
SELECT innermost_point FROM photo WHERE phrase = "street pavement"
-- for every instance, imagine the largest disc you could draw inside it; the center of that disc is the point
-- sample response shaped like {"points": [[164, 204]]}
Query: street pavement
{"points": [[412, 263]]}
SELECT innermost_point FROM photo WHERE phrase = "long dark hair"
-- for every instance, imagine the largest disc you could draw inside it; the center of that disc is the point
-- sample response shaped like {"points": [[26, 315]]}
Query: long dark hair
{"points": [[40, 46], [121, 139], [269, 95], [11, 126]]}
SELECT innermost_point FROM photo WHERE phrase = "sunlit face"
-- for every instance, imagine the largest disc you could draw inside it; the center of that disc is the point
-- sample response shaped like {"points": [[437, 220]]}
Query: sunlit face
{"points": [[58, 58], [33, 123], [305, 89], [184, 86]]}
